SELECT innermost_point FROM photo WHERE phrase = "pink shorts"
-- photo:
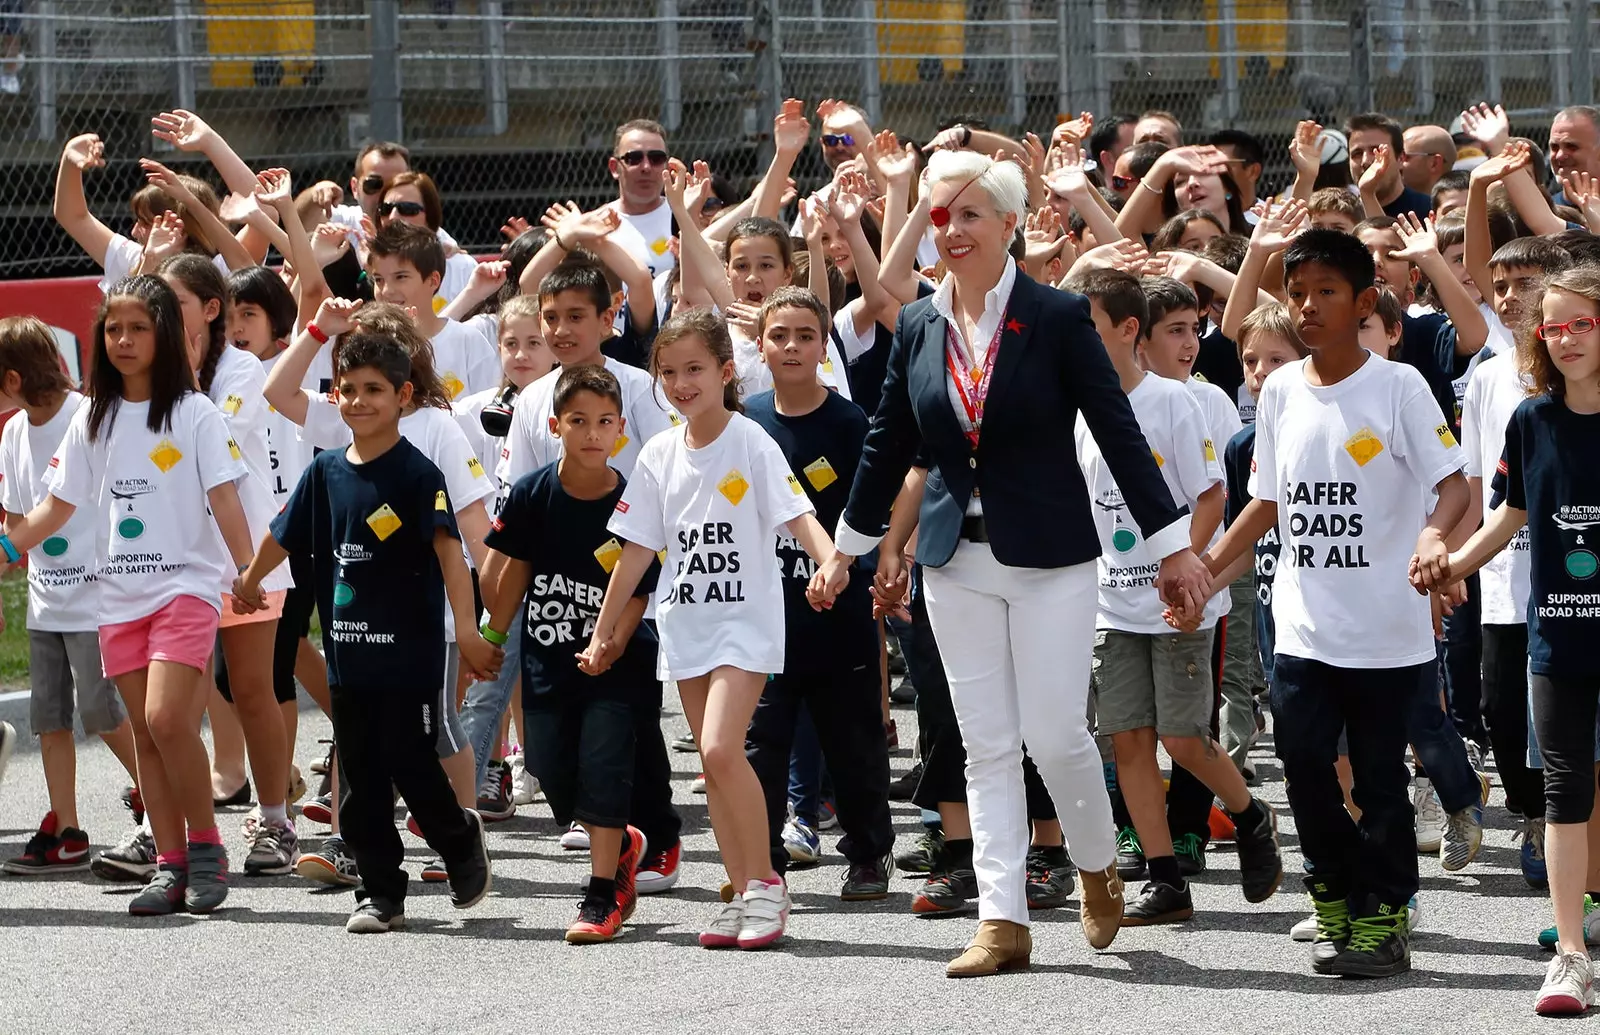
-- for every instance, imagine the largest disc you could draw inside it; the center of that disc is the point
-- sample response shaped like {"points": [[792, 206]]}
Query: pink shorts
{"points": [[272, 612], [183, 631]]}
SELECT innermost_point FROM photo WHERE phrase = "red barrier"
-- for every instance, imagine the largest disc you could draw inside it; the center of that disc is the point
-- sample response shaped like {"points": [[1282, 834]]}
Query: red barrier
{"points": [[67, 304]]}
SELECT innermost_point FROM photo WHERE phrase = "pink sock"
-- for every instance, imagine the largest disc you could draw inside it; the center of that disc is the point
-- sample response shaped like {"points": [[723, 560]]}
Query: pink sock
{"points": [[772, 880], [208, 836], [180, 858]]}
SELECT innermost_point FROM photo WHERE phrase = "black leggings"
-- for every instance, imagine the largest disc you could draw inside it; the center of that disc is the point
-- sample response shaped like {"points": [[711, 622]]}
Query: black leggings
{"points": [[1563, 720]]}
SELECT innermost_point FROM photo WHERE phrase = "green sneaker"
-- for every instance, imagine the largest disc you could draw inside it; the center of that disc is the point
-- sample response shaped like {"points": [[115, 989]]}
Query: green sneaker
{"points": [[1379, 943], [1331, 914], [1591, 926], [923, 855], [1191, 855], [1130, 855]]}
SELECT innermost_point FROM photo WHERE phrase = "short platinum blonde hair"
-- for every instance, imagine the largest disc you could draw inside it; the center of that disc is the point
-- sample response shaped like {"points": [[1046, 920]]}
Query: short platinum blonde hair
{"points": [[1003, 182]]}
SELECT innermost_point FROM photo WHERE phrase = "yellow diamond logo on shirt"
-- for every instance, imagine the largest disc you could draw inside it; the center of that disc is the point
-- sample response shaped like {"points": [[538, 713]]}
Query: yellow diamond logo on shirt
{"points": [[440, 502], [820, 473], [608, 555], [675, 419], [1446, 439], [165, 455], [233, 449], [1363, 446], [1160, 460], [438, 304], [734, 487], [474, 468], [452, 384], [384, 522], [622, 443], [827, 366], [1211, 452], [794, 484], [660, 245], [231, 404]]}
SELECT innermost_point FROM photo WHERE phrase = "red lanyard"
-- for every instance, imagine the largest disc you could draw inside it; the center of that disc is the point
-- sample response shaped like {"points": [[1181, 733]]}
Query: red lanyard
{"points": [[964, 372]]}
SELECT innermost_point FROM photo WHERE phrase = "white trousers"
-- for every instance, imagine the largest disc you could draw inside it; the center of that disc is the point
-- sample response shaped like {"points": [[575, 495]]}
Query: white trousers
{"points": [[1017, 645]]}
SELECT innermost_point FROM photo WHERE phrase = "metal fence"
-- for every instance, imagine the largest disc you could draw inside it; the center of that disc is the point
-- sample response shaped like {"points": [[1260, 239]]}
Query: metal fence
{"points": [[511, 103]]}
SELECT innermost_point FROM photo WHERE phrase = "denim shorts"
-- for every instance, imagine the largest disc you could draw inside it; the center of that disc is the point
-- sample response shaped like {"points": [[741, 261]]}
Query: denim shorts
{"points": [[581, 750], [1162, 681]]}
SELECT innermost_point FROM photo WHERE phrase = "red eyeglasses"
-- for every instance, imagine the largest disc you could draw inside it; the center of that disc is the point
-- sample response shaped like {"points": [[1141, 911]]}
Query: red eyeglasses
{"points": [[1552, 331], [940, 215]]}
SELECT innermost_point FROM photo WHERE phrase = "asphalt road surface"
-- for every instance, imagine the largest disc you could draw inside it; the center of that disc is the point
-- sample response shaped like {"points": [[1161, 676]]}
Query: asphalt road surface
{"points": [[277, 958]]}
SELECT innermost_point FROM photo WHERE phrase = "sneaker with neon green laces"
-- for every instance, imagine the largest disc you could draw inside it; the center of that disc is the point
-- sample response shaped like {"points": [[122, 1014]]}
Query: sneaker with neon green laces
{"points": [[1591, 926]]}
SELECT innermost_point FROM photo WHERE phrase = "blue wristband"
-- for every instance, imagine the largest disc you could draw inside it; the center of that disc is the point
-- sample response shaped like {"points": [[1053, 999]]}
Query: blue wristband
{"points": [[12, 555]]}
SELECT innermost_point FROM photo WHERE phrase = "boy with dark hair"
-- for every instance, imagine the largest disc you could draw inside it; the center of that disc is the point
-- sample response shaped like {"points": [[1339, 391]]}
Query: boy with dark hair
{"points": [[405, 264], [1110, 138], [576, 314], [1245, 159], [1334, 208], [831, 656], [1152, 682], [557, 556], [377, 522], [1450, 193], [1347, 447], [1376, 144]]}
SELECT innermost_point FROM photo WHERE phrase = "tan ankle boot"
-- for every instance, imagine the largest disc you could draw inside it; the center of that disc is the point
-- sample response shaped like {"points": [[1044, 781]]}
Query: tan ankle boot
{"points": [[998, 945], [1101, 911]]}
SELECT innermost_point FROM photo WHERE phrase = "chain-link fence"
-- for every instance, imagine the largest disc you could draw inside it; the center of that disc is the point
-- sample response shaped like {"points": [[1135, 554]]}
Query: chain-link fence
{"points": [[509, 104]]}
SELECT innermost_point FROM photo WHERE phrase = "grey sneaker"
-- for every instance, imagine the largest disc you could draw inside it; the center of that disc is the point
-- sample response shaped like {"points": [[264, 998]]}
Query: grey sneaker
{"points": [[163, 895], [1463, 837], [208, 877], [273, 852], [865, 882], [376, 916], [133, 859], [330, 864]]}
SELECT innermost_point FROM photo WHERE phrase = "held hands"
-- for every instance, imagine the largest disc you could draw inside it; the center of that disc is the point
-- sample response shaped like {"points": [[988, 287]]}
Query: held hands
{"points": [[85, 152], [890, 584], [1429, 569], [601, 653], [336, 315], [482, 658], [1279, 226], [247, 597], [1488, 126], [829, 581], [184, 130], [1184, 582]]}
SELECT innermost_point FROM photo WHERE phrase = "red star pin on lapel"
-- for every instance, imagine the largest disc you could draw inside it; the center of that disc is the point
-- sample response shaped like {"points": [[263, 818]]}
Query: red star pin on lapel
{"points": [[1015, 326]]}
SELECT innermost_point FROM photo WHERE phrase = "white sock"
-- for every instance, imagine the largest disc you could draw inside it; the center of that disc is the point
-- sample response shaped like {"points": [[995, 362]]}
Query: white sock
{"points": [[277, 815]]}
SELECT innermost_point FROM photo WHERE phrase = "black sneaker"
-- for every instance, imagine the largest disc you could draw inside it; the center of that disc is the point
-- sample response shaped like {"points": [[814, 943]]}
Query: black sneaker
{"points": [[1049, 877], [868, 881], [1332, 913], [1260, 861], [376, 916], [494, 794], [923, 855], [1158, 903], [949, 891], [1379, 943], [1190, 852], [902, 691], [903, 787], [470, 877], [1130, 855]]}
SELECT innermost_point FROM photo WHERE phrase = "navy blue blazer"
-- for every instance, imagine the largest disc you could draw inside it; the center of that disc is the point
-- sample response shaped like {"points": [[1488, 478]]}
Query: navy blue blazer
{"points": [[1051, 365]]}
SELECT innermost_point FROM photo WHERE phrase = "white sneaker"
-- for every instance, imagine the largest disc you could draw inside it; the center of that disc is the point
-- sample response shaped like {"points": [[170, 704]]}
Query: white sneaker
{"points": [[1414, 915], [1305, 930], [1568, 986], [698, 784], [1430, 816], [724, 930], [524, 785], [576, 839], [766, 914]]}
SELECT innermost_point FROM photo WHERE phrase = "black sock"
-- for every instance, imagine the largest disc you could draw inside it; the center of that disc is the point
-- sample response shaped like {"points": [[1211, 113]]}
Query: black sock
{"points": [[1164, 869], [958, 853], [1248, 817], [602, 889]]}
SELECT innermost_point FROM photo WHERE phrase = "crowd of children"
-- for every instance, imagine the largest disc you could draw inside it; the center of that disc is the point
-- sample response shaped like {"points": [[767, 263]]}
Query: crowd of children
{"points": [[613, 459]]}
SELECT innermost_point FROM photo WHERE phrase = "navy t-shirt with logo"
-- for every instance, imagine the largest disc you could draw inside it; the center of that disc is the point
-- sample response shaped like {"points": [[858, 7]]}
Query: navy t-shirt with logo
{"points": [[565, 542], [1549, 470], [823, 448], [1237, 457], [369, 529]]}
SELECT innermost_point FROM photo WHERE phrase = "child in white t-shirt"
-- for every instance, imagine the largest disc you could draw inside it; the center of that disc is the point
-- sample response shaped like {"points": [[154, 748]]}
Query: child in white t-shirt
{"points": [[150, 456], [712, 494], [1348, 446], [1152, 682], [63, 608]]}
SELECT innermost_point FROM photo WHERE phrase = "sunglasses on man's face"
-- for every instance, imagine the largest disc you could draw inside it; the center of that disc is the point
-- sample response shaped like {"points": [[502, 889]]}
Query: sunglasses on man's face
{"points": [[1121, 182], [405, 208], [838, 140], [371, 184], [633, 159], [713, 204]]}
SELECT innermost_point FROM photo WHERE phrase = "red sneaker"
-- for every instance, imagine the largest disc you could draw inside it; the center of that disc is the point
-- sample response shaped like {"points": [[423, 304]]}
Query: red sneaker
{"points": [[627, 869], [658, 871], [1221, 826], [54, 849], [597, 922]]}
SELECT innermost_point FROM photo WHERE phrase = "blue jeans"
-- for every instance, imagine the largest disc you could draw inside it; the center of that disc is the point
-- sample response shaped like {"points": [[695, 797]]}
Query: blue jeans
{"points": [[1463, 665], [805, 769], [487, 702], [1441, 752]]}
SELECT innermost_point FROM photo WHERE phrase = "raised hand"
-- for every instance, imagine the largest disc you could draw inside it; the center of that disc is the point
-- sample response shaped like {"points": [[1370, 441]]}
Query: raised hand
{"points": [[846, 206], [1035, 150], [336, 315], [947, 140], [810, 223], [1583, 191], [326, 194], [1073, 131], [1279, 225], [1126, 254], [576, 227], [790, 192], [513, 228], [1514, 157], [699, 188], [893, 162], [85, 151], [239, 208], [1488, 126], [1064, 173], [1043, 226], [1417, 238], [1196, 160], [743, 316], [790, 129], [166, 238], [329, 242], [1382, 163], [273, 187], [674, 184], [488, 276], [1305, 149], [184, 130]]}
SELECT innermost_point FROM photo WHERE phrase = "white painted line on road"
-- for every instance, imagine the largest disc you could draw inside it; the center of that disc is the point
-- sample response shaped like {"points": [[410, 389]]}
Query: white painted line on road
{"points": [[14, 695]]}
